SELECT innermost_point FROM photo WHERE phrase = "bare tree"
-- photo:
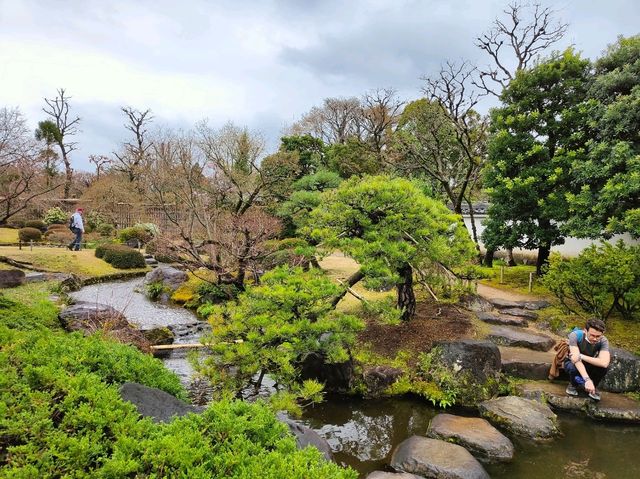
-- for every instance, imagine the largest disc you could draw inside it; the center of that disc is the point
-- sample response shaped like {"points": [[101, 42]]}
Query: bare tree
{"points": [[20, 166], [100, 161], [515, 41], [380, 110], [58, 109], [337, 120], [134, 152]]}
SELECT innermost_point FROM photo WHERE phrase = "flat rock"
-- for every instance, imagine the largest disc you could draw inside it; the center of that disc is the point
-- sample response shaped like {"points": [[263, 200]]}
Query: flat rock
{"points": [[432, 458], [159, 405], [519, 312], [392, 475], [612, 407], [518, 337], [476, 435], [531, 304], [522, 417], [35, 277], [526, 363], [501, 319], [10, 278]]}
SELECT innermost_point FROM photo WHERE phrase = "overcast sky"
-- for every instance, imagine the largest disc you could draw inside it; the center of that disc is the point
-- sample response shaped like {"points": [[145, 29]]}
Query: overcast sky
{"points": [[262, 64]]}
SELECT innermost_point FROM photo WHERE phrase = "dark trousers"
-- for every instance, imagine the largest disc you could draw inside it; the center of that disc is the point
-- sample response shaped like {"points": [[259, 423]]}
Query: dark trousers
{"points": [[595, 373], [75, 244]]}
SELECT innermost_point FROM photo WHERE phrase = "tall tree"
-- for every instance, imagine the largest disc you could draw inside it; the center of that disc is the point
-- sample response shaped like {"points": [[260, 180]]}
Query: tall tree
{"points": [[131, 159], [21, 166], [390, 227], [48, 133], [58, 109], [536, 135], [515, 41], [607, 200]]}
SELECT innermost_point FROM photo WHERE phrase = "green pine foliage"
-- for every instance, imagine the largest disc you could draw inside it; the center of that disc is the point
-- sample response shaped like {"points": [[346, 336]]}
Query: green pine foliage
{"points": [[273, 327]]}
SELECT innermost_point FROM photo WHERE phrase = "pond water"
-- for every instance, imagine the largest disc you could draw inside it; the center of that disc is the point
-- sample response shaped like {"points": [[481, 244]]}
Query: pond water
{"points": [[363, 433]]}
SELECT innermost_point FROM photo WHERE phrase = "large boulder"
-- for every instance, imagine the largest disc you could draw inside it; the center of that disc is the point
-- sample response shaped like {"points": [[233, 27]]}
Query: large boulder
{"points": [[522, 417], [336, 377], [475, 434], [10, 278], [89, 318], [159, 405], [170, 277], [305, 436], [379, 378], [623, 374], [432, 458], [474, 365]]}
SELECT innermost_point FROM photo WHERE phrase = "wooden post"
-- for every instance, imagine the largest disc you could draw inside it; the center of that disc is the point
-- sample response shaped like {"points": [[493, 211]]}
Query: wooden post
{"points": [[501, 274], [531, 281], [30, 245]]}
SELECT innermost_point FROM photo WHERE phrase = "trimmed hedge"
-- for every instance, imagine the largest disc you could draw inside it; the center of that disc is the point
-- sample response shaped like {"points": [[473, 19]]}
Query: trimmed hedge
{"points": [[120, 256], [37, 224], [29, 234]]}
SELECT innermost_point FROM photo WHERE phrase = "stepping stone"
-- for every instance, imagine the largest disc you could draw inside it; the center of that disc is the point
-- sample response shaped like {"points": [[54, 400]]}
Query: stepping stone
{"points": [[526, 363], [475, 434], [612, 406], [522, 417], [521, 313], [517, 337], [532, 305], [434, 458], [493, 318], [151, 261]]}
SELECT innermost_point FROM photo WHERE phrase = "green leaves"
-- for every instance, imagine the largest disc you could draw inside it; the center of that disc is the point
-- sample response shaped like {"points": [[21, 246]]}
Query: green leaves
{"points": [[273, 327]]}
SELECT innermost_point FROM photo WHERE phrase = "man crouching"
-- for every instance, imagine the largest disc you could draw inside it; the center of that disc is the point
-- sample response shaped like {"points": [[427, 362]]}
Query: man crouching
{"points": [[588, 359]]}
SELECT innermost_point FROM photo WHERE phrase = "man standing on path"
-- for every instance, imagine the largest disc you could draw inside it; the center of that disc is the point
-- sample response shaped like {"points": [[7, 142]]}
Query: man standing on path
{"points": [[588, 359], [77, 227]]}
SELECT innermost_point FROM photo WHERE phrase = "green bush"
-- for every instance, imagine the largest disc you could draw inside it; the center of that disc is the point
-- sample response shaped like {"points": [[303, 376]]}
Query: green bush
{"points": [[216, 293], [600, 280], [56, 215], [29, 234], [120, 256], [38, 314], [135, 232], [106, 230], [62, 416], [58, 227], [37, 224]]}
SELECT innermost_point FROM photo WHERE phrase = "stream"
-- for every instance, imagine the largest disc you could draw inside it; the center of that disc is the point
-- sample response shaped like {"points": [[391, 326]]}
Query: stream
{"points": [[363, 433]]}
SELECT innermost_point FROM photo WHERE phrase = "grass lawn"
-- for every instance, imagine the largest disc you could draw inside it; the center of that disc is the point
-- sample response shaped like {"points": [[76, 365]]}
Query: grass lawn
{"points": [[82, 263], [516, 278], [340, 267], [8, 235]]}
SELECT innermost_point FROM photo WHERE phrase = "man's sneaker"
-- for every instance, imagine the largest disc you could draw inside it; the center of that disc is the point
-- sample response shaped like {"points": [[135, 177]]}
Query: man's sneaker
{"points": [[571, 390], [595, 395]]}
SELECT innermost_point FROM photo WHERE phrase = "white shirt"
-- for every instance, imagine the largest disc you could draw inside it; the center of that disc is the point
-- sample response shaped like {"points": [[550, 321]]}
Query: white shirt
{"points": [[77, 221]]}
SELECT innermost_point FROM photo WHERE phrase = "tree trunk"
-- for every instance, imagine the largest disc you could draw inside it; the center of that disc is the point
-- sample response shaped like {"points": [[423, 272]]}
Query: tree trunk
{"points": [[68, 170], [511, 261], [406, 296], [488, 258], [351, 280], [543, 257]]}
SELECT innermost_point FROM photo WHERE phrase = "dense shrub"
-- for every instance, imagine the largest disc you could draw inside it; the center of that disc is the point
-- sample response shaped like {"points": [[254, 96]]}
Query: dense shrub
{"points": [[59, 236], [602, 278], [38, 314], [58, 227], [29, 234], [216, 293], [37, 224], [63, 417], [106, 230], [120, 256], [56, 215], [138, 232]]}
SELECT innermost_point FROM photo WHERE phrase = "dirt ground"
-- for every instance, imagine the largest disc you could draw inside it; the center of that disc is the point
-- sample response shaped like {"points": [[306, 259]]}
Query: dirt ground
{"points": [[432, 322]]}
